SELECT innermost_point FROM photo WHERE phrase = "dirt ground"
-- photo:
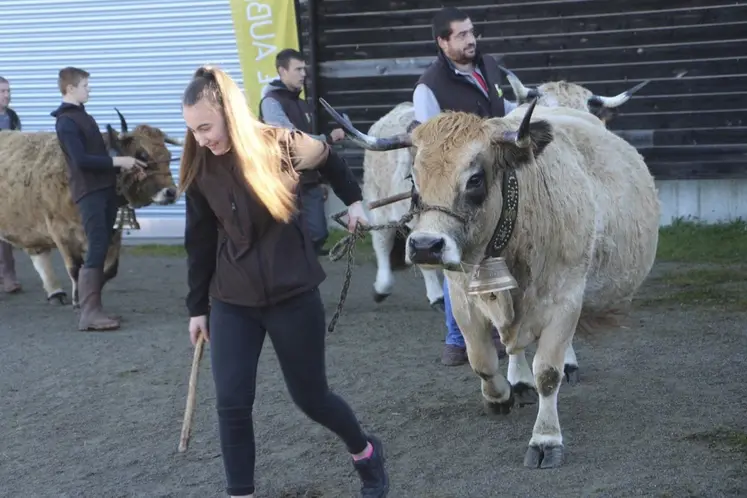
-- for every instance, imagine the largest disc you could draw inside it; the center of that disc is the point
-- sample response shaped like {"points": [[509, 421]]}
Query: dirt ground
{"points": [[660, 410]]}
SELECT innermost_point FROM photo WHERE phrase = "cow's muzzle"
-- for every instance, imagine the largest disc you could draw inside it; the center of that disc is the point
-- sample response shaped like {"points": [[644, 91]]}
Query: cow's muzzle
{"points": [[167, 195], [426, 249]]}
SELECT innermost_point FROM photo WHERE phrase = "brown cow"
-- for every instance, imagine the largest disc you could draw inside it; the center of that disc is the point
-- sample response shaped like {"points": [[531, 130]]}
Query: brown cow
{"points": [[37, 213]]}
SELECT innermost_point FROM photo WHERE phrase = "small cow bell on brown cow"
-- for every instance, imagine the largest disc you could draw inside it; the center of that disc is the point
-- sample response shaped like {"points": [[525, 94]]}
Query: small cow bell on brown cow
{"points": [[491, 276]]}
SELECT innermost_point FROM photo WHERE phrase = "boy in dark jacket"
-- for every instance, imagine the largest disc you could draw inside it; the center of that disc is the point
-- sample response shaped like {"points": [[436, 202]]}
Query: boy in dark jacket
{"points": [[93, 178]]}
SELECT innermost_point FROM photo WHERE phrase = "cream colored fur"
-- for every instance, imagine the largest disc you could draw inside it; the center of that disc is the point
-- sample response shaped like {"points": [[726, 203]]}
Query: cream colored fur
{"points": [[585, 240]]}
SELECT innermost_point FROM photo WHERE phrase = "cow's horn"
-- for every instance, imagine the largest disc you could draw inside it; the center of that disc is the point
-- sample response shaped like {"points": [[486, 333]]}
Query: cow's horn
{"points": [[522, 137], [367, 141], [122, 122], [617, 100], [521, 92], [173, 141]]}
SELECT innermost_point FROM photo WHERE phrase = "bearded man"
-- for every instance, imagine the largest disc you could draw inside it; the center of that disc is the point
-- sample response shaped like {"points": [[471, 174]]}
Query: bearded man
{"points": [[460, 79]]}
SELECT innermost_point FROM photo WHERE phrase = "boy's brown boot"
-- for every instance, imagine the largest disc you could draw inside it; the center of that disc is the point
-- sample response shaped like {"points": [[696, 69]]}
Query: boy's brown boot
{"points": [[92, 317]]}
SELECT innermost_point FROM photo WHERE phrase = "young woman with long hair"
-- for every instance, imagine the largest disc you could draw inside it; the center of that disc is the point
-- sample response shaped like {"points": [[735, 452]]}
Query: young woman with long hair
{"points": [[252, 268]]}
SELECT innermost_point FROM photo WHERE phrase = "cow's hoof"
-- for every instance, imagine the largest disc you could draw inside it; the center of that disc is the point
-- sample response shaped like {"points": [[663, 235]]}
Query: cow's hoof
{"points": [[525, 394], [439, 305], [543, 457], [379, 297], [571, 374], [491, 408], [59, 297]]}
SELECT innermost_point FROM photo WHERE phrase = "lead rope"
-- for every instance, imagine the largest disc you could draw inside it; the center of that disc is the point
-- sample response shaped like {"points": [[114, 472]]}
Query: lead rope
{"points": [[346, 246]]}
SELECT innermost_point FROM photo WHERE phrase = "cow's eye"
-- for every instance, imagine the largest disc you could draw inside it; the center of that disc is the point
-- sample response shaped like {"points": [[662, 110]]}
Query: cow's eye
{"points": [[476, 180], [476, 190]]}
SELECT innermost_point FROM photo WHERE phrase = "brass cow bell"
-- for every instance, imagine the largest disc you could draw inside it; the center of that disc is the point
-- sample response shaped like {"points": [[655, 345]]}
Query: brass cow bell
{"points": [[491, 276]]}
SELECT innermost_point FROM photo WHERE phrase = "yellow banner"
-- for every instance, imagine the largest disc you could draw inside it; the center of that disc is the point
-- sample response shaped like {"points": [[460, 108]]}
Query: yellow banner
{"points": [[263, 28]]}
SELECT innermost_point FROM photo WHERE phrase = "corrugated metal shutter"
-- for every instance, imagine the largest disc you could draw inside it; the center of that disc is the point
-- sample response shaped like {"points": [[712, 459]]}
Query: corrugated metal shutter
{"points": [[140, 53]]}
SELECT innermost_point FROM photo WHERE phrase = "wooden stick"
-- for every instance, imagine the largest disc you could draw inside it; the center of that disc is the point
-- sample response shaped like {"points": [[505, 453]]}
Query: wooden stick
{"points": [[191, 394], [389, 200]]}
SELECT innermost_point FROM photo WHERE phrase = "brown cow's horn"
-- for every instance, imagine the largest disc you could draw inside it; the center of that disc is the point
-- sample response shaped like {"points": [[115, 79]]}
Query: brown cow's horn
{"points": [[122, 122], [617, 100], [173, 141], [522, 137], [521, 92], [367, 141]]}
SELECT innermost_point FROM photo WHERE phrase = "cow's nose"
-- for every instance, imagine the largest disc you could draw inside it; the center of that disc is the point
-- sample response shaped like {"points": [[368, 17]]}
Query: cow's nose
{"points": [[426, 249], [170, 194]]}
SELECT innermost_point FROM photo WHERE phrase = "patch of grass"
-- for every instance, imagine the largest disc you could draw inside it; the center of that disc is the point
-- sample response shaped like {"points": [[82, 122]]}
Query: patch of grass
{"points": [[363, 249], [722, 299], [699, 277], [722, 438], [712, 287], [695, 242], [157, 250]]}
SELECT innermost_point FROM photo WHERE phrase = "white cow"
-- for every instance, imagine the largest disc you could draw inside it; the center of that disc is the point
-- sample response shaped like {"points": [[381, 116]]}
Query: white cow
{"points": [[386, 174]]}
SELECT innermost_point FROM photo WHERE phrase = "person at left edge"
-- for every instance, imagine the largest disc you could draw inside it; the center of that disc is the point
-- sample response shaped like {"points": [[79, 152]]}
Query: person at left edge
{"points": [[253, 270]]}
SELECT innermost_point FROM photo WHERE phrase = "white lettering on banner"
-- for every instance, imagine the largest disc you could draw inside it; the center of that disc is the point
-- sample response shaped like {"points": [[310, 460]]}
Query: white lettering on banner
{"points": [[259, 14], [257, 25]]}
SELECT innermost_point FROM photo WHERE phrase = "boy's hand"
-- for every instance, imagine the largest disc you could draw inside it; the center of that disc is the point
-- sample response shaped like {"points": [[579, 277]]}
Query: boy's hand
{"points": [[129, 163]]}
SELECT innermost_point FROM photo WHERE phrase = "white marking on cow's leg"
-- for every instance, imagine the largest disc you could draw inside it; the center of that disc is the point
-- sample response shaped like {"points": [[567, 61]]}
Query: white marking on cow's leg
{"points": [[546, 444], [72, 262], [521, 379], [43, 265], [383, 242], [571, 365], [519, 369], [73, 274], [433, 288]]}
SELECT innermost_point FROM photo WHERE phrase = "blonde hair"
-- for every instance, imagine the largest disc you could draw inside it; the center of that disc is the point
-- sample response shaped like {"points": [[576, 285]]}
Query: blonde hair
{"points": [[263, 151]]}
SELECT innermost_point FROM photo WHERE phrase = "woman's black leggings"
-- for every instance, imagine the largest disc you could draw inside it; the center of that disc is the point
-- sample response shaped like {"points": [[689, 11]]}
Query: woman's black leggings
{"points": [[297, 330]]}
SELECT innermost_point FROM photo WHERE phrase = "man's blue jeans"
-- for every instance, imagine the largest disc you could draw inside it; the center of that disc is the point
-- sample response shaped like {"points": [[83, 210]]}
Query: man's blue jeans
{"points": [[453, 334], [313, 211]]}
